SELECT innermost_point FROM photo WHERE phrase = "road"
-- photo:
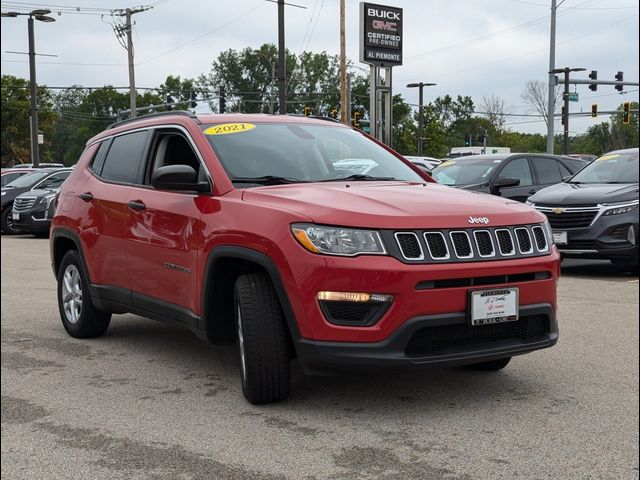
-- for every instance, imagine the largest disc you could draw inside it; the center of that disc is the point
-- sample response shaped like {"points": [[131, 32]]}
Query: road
{"points": [[147, 400]]}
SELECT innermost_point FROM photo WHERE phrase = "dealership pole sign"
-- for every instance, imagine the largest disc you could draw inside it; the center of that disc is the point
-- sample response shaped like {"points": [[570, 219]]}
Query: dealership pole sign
{"points": [[381, 35]]}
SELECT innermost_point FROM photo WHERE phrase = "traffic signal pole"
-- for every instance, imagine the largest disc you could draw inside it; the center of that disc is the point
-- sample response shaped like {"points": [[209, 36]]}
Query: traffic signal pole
{"points": [[565, 114], [551, 104]]}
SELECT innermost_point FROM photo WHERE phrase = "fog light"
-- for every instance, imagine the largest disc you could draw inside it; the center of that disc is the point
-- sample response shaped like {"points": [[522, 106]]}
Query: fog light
{"points": [[354, 297], [631, 235], [353, 308]]}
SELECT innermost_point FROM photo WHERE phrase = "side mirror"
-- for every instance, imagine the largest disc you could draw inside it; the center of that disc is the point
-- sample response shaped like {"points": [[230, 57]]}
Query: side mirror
{"points": [[503, 182], [177, 177]]}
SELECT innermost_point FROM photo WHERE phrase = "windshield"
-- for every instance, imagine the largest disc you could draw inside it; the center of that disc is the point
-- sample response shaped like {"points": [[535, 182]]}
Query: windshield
{"points": [[272, 153], [610, 168], [27, 180], [465, 172]]}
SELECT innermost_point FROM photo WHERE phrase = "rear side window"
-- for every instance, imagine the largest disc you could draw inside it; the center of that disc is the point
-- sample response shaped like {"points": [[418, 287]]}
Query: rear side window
{"points": [[125, 158], [547, 170], [518, 168], [101, 154]]}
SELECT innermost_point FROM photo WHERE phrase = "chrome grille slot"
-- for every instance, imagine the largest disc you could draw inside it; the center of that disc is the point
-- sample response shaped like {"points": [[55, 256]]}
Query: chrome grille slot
{"points": [[505, 242], [484, 243], [524, 240], [409, 245], [437, 245], [23, 203], [461, 244], [541, 239]]}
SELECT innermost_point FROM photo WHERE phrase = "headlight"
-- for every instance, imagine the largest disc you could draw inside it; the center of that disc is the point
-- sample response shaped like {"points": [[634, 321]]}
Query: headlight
{"points": [[337, 240], [548, 231], [47, 199], [620, 208]]}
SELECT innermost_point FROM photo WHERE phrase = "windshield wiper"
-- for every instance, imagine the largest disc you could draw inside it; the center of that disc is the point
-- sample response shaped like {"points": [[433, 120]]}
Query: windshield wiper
{"points": [[358, 177], [267, 180]]}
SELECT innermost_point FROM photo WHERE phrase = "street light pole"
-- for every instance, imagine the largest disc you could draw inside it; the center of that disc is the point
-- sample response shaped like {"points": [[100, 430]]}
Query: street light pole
{"points": [[41, 16], [35, 148], [420, 85], [565, 97], [551, 103]]}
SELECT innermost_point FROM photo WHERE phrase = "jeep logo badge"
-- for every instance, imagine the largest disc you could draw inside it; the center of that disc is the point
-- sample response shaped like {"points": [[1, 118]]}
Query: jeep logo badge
{"points": [[484, 220]]}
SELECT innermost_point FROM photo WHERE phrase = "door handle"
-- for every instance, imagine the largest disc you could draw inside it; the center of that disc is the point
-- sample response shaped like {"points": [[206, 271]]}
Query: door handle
{"points": [[136, 205], [86, 196]]}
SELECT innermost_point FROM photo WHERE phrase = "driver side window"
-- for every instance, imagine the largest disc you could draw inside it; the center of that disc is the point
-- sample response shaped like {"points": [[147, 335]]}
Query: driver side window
{"points": [[518, 168], [172, 148]]}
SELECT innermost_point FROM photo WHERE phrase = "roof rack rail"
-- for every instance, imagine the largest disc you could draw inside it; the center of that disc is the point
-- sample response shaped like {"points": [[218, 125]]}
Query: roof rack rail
{"points": [[184, 113]]}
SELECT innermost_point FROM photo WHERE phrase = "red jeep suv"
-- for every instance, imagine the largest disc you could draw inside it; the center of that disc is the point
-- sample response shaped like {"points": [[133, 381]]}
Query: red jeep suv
{"points": [[299, 238]]}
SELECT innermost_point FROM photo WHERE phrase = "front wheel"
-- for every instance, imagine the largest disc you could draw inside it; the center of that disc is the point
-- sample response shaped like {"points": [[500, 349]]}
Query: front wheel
{"points": [[80, 318], [6, 222], [263, 340], [493, 365]]}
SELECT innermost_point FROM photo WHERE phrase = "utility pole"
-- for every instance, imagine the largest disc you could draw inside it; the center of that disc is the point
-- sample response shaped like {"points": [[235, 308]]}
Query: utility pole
{"points": [[551, 104], [343, 68], [35, 148], [282, 67], [565, 108], [420, 86], [126, 30]]}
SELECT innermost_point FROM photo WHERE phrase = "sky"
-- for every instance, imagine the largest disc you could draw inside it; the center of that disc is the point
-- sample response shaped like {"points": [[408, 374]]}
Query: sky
{"points": [[468, 47]]}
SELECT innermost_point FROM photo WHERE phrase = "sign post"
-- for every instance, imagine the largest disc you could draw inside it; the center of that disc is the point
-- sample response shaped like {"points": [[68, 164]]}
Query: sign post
{"points": [[381, 48]]}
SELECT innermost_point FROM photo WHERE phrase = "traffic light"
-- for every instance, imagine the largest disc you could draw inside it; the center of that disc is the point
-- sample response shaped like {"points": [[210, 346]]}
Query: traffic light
{"points": [[594, 110], [619, 77], [593, 76], [192, 99], [168, 103], [356, 119], [564, 115], [307, 111], [467, 140], [625, 112], [222, 102]]}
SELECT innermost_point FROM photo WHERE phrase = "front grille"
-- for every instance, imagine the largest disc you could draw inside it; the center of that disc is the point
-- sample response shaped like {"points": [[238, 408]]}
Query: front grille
{"points": [[461, 244], [541, 239], [352, 313], [468, 244], [479, 281], [409, 245], [23, 203], [445, 339], [524, 240], [579, 219], [437, 245], [484, 243], [505, 242]]}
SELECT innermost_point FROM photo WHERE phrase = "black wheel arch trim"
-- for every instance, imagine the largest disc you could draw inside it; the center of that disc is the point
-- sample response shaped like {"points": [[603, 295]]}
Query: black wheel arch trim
{"points": [[73, 236], [243, 253]]}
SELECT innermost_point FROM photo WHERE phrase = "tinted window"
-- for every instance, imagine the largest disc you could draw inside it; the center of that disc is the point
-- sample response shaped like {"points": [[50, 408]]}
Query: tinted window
{"points": [[125, 158], [98, 160], [54, 181], [564, 170], [27, 180], [547, 170], [466, 171], [10, 177], [518, 168]]}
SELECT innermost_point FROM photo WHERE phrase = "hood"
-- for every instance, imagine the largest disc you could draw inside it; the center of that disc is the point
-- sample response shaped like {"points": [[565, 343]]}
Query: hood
{"points": [[585, 193], [391, 205], [10, 194]]}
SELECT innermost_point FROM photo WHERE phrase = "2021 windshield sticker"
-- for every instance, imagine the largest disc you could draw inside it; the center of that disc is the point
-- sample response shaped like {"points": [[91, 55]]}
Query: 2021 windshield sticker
{"points": [[227, 128]]}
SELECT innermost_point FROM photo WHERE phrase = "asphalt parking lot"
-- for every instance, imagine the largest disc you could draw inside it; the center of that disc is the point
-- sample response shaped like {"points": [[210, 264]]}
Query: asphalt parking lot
{"points": [[147, 400]]}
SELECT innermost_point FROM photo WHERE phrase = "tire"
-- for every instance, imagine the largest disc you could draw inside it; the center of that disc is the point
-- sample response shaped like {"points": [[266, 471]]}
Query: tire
{"points": [[6, 222], [263, 340], [491, 366], [80, 318]]}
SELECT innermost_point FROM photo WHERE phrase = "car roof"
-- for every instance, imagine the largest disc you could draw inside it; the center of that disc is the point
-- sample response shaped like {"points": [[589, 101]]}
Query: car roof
{"points": [[625, 150], [504, 156]]}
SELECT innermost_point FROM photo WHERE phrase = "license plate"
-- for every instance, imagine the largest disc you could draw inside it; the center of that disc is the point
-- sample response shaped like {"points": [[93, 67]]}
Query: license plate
{"points": [[494, 306], [15, 215], [560, 238]]}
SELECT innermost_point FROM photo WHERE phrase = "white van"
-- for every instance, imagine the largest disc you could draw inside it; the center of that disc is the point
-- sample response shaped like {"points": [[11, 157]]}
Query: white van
{"points": [[463, 151]]}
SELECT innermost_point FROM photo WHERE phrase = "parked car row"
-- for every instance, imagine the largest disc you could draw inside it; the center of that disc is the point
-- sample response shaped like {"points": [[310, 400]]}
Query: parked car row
{"points": [[28, 201]]}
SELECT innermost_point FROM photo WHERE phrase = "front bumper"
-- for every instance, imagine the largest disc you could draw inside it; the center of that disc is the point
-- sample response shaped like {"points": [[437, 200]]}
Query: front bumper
{"points": [[35, 220], [402, 351]]}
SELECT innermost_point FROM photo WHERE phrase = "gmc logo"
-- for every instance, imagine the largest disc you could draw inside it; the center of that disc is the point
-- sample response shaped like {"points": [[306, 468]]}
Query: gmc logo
{"points": [[374, 12], [473, 220], [382, 25]]}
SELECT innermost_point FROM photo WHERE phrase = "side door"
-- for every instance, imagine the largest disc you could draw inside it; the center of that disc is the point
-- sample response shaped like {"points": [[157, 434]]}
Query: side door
{"points": [[102, 208], [519, 168], [164, 232], [547, 171]]}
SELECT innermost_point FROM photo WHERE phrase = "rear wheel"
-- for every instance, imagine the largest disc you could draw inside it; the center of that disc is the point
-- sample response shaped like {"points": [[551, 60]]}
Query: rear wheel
{"points": [[263, 340], [80, 318], [490, 366]]}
